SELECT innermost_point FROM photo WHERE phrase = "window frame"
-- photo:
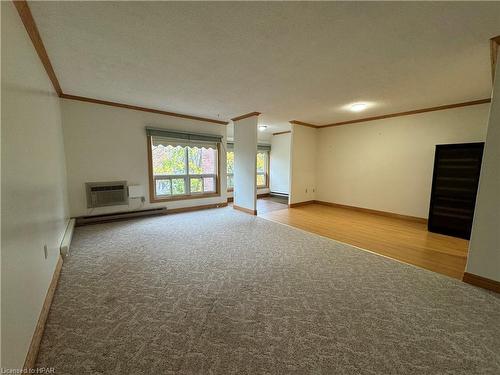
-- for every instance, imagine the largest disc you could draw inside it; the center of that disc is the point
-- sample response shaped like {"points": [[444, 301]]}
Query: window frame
{"points": [[153, 198], [229, 189], [265, 174]]}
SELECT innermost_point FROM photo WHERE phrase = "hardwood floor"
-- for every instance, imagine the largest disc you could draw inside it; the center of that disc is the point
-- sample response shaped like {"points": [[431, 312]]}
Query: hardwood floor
{"points": [[400, 239], [269, 204]]}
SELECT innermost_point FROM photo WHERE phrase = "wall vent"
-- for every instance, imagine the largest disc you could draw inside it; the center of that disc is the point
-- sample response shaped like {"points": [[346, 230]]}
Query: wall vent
{"points": [[100, 194]]}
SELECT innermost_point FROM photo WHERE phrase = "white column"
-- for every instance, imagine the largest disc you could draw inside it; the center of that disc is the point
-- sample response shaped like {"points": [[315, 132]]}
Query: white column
{"points": [[304, 144], [279, 170], [484, 248], [245, 157]]}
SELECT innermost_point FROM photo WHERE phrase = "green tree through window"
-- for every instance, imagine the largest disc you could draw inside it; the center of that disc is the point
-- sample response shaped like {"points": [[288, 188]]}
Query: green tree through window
{"points": [[230, 169], [184, 170], [261, 168], [169, 160]]}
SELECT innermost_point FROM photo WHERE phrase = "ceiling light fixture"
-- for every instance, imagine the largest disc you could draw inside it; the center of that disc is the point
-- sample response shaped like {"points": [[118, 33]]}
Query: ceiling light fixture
{"points": [[262, 127], [358, 107]]}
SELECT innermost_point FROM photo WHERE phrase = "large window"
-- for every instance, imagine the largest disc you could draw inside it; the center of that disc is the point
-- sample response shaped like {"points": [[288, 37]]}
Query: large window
{"points": [[183, 170], [262, 168]]}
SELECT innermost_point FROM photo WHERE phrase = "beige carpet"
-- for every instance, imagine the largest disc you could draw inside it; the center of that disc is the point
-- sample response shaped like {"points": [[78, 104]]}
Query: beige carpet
{"points": [[223, 292]]}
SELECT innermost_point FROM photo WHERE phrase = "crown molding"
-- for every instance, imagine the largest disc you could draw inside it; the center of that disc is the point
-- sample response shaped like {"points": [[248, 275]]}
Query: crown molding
{"points": [[251, 114], [397, 114], [302, 123], [29, 24], [494, 48], [407, 113], [143, 109], [285, 132]]}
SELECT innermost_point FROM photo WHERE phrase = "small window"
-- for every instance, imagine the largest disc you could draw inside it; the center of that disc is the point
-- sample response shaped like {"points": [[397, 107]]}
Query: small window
{"points": [[262, 169], [230, 170], [183, 171]]}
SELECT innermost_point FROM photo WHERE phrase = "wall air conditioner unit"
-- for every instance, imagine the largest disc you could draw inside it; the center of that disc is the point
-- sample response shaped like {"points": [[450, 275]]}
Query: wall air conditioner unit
{"points": [[100, 194]]}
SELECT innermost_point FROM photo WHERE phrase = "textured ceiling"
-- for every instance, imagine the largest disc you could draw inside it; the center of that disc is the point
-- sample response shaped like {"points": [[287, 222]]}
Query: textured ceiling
{"points": [[302, 61]]}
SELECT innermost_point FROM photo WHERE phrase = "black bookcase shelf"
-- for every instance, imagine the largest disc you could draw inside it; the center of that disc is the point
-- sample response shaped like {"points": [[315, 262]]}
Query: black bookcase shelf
{"points": [[454, 188]]}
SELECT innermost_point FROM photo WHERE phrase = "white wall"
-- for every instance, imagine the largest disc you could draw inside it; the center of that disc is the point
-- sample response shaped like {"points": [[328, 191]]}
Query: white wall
{"points": [[387, 165], [106, 143], [280, 163], [484, 250], [34, 204], [303, 164], [245, 156]]}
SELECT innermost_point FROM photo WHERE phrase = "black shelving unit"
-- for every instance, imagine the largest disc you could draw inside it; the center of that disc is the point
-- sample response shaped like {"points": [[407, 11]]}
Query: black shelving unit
{"points": [[454, 188]]}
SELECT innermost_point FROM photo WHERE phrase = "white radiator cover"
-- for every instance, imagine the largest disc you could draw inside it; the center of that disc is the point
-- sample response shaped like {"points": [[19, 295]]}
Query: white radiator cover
{"points": [[68, 235]]}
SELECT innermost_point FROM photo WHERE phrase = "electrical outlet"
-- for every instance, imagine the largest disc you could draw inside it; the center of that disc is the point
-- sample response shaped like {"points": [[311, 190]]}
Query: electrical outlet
{"points": [[45, 251]]}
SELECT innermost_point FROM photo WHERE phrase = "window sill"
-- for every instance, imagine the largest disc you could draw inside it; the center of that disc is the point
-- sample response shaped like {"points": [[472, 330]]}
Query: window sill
{"points": [[183, 197]]}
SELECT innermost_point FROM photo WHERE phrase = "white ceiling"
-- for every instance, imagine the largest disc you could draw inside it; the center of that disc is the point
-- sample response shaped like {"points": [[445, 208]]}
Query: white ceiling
{"points": [[291, 61]]}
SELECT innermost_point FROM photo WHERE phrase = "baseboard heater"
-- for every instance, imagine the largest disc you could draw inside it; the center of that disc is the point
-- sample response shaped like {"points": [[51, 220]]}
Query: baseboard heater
{"points": [[68, 235], [85, 220], [275, 194]]}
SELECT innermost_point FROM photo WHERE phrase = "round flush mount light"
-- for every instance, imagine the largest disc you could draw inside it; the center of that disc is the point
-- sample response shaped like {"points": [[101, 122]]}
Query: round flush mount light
{"points": [[358, 107], [262, 127]]}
